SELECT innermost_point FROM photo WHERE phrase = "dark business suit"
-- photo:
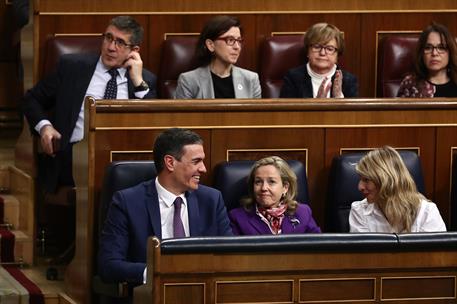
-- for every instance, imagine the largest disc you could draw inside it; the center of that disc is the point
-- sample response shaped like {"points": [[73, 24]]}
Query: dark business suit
{"points": [[245, 222], [297, 84], [62, 94], [134, 215]]}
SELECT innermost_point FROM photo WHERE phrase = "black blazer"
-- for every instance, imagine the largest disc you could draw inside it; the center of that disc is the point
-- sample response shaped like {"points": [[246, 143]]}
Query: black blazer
{"points": [[58, 98], [297, 84]]}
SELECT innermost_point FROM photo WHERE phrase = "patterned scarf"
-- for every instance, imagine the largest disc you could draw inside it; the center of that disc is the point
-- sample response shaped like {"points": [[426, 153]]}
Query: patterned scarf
{"points": [[273, 216]]}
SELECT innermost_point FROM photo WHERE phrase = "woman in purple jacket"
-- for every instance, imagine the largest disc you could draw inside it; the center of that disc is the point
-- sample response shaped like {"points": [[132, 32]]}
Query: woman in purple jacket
{"points": [[271, 207]]}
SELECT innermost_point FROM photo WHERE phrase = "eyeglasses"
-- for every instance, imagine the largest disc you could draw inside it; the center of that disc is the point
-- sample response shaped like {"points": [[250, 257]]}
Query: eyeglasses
{"points": [[109, 38], [440, 48], [329, 49], [231, 40]]}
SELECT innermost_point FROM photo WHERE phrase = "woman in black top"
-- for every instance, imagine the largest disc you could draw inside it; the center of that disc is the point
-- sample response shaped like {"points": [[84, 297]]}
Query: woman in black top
{"points": [[435, 68]]}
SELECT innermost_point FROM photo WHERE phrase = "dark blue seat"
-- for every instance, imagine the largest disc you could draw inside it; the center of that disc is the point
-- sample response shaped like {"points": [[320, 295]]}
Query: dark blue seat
{"points": [[231, 179], [118, 175], [343, 186]]}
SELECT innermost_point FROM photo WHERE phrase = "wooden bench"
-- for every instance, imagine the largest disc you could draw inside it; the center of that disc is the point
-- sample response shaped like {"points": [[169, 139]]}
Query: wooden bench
{"points": [[307, 268]]}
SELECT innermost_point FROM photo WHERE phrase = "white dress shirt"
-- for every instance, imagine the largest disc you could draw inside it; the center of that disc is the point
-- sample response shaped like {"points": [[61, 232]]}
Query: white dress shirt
{"points": [[96, 89], [367, 217], [316, 79], [167, 209]]}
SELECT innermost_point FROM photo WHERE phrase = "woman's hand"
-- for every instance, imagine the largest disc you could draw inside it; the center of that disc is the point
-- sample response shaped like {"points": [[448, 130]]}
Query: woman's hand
{"points": [[324, 88]]}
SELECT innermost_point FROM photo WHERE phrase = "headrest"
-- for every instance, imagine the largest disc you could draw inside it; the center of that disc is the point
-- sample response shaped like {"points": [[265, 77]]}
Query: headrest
{"points": [[60, 45], [178, 56], [278, 54], [231, 179], [395, 60], [121, 175]]}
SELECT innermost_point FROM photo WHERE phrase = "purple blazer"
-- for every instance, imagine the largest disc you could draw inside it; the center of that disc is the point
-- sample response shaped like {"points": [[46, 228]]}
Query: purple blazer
{"points": [[249, 223]]}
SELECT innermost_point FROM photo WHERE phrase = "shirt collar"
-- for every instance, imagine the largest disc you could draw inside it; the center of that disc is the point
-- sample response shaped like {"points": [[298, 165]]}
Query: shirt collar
{"points": [[320, 76], [166, 196], [122, 71], [372, 208]]}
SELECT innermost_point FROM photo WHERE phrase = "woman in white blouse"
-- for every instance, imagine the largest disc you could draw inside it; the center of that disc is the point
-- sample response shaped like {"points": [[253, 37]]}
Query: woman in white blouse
{"points": [[392, 203]]}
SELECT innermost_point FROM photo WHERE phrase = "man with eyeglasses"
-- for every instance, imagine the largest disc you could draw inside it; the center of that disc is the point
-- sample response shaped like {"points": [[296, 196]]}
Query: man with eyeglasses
{"points": [[78, 76]]}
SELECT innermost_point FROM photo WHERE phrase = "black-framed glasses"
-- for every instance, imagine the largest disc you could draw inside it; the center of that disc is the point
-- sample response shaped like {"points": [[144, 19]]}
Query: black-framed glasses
{"points": [[329, 49], [229, 40], [440, 48], [109, 38]]}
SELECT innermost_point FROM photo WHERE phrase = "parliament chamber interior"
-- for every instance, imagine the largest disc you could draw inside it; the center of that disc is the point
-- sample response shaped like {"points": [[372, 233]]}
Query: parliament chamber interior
{"points": [[47, 258]]}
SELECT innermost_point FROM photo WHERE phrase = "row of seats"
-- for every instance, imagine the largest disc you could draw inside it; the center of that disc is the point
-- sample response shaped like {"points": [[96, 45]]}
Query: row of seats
{"points": [[277, 55], [231, 179]]}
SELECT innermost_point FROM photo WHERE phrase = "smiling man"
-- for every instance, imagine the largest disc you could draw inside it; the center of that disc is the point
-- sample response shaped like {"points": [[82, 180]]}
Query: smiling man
{"points": [[172, 205], [116, 73]]}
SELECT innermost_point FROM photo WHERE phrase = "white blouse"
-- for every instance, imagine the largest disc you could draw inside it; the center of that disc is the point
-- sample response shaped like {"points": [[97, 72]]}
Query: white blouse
{"points": [[366, 217]]}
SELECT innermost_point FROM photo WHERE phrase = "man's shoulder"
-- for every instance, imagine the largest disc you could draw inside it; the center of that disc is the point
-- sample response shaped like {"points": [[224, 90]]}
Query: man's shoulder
{"points": [[148, 75], [138, 189]]}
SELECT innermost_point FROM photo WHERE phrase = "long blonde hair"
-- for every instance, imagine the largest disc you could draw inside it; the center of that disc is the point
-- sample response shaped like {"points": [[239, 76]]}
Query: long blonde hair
{"points": [[287, 177], [397, 197]]}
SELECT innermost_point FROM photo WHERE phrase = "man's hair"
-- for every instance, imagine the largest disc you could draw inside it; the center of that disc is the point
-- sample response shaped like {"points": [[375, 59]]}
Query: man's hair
{"points": [[171, 142], [130, 25]]}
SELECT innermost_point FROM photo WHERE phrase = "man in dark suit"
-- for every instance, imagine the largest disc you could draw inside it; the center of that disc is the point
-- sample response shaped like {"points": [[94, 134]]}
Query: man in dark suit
{"points": [[54, 107], [149, 209]]}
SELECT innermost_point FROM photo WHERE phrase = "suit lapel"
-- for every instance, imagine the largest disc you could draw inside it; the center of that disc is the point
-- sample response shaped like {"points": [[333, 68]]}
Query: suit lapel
{"points": [[239, 85], [193, 213], [257, 223], [206, 82], [152, 204], [307, 86]]}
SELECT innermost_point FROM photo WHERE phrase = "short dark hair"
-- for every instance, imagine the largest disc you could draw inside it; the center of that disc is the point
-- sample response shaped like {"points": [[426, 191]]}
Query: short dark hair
{"points": [[420, 70], [171, 142], [130, 25], [214, 28]]}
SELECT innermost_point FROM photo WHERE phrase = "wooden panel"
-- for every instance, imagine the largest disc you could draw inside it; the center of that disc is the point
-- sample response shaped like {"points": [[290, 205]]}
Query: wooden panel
{"points": [[343, 289], [183, 293], [446, 145], [236, 5], [418, 288], [262, 291]]}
